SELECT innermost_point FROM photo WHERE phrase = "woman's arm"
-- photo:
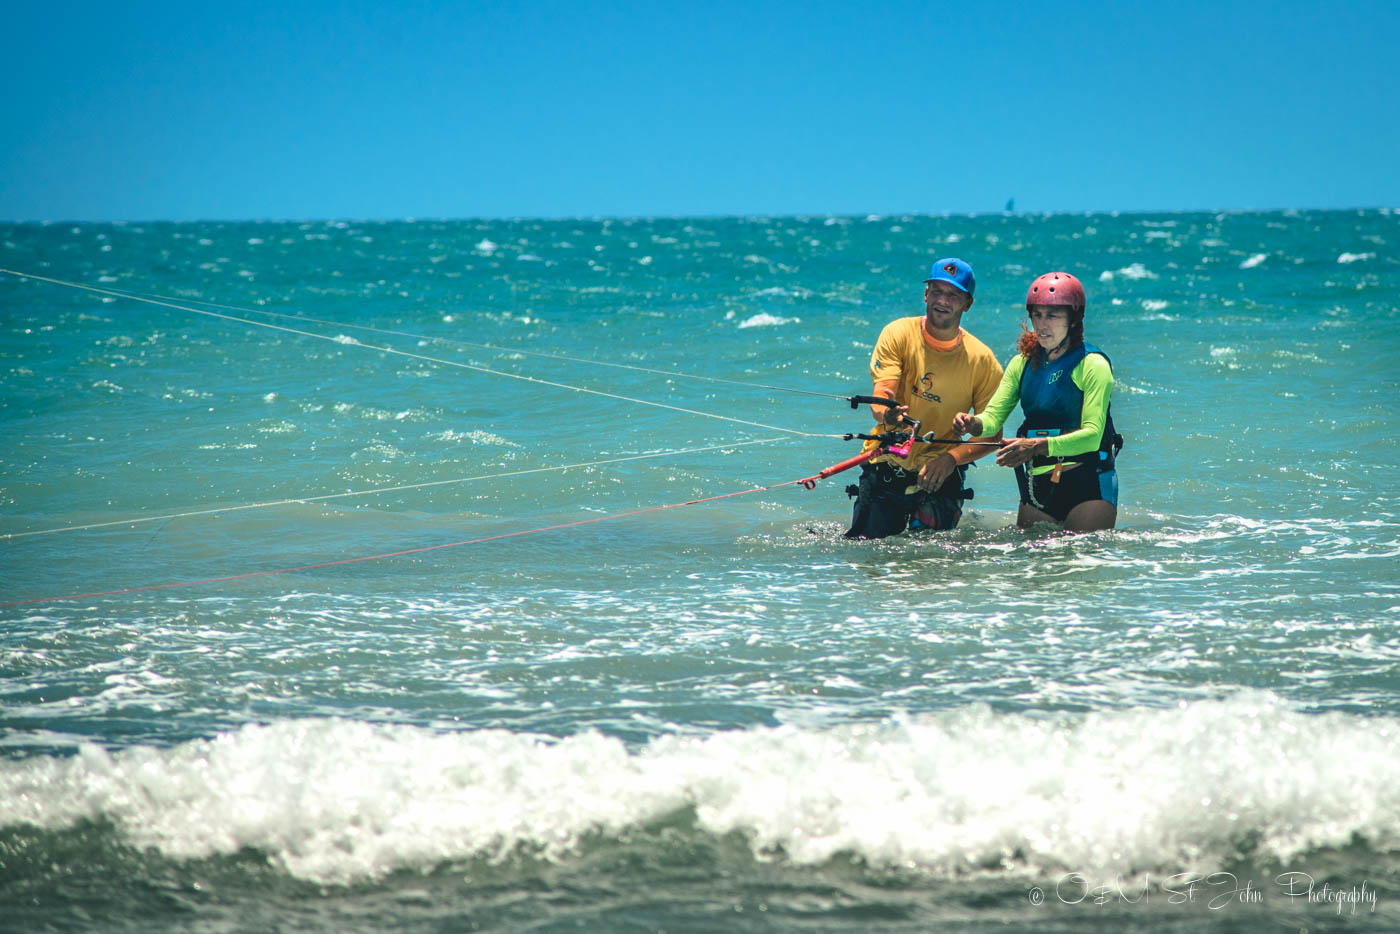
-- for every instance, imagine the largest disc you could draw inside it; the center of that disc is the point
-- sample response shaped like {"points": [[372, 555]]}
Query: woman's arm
{"points": [[1094, 376]]}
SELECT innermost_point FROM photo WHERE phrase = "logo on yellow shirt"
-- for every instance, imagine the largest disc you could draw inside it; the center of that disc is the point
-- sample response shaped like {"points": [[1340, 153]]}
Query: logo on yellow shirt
{"points": [[926, 388]]}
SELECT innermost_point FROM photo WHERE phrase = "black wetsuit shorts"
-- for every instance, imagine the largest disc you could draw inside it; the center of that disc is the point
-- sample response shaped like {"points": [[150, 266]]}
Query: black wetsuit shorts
{"points": [[1076, 486], [889, 501]]}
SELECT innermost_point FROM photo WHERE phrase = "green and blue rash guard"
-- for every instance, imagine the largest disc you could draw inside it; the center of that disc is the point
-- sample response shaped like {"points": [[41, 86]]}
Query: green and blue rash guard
{"points": [[1076, 406]]}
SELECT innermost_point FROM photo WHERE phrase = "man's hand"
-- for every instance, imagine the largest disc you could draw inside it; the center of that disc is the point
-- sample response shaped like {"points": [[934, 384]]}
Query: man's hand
{"points": [[893, 414], [935, 472]]}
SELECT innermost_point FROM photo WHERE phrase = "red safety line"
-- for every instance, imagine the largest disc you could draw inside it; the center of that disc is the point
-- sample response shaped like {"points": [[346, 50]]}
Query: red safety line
{"points": [[410, 551]]}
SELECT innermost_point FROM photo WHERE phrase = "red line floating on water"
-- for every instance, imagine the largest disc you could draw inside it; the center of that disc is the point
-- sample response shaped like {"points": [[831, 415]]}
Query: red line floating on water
{"points": [[411, 551]]}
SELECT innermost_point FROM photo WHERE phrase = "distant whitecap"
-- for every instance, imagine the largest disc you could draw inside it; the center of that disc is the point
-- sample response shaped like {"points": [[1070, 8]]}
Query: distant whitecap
{"points": [[782, 292], [475, 437], [764, 319], [1254, 260], [1355, 257]]}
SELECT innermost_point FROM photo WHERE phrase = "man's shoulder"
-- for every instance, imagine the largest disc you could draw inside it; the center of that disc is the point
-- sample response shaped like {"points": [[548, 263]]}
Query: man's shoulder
{"points": [[977, 350], [902, 329], [912, 323]]}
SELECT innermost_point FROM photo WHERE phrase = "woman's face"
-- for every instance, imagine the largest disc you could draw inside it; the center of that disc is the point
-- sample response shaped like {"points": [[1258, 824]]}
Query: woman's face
{"points": [[1051, 323]]}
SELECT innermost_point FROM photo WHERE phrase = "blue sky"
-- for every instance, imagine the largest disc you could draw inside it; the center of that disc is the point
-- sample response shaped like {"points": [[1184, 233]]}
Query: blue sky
{"points": [[346, 109]]}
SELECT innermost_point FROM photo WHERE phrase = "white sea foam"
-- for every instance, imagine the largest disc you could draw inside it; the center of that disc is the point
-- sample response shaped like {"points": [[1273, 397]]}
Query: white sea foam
{"points": [[1254, 260], [1134, 271], [1355, 257], [781, 292], [763, 319], [475, 437], [1129, 791]]}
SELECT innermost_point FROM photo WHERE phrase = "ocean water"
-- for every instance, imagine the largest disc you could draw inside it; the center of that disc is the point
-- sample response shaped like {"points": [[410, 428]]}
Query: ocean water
{"points": [[338, 595]]}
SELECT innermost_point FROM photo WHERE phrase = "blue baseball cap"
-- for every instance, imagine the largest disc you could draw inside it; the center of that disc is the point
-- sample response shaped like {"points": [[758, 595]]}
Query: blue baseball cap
{"points": [[955, 272]]}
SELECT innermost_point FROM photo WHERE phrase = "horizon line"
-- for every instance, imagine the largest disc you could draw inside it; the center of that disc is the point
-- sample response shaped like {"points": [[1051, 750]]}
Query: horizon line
{"points": [[869, 216]]}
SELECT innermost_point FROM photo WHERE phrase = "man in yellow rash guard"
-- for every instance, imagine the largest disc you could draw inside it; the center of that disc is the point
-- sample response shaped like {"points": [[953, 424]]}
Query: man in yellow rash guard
{"points": [[933, 369], [1065, 452]]}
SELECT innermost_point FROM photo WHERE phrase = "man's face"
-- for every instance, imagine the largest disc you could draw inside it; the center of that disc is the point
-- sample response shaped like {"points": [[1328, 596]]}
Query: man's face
{"points": [[944, 304]]}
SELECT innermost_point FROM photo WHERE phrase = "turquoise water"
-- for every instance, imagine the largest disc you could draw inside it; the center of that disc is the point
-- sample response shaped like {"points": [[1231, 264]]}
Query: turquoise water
{"points": [[714, 717]]}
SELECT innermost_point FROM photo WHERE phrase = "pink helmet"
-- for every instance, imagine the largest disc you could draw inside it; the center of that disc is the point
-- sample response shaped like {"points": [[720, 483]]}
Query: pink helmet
{"points": [[1056, 288]]}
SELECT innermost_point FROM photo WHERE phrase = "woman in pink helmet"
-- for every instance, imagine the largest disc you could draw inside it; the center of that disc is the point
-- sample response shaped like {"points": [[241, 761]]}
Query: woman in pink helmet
{"points": [[1065, 450]]}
